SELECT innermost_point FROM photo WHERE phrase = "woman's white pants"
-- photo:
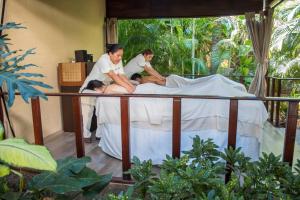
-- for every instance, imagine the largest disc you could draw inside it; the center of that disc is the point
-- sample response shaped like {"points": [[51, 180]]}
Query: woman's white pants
{"points": [[87, 111]]}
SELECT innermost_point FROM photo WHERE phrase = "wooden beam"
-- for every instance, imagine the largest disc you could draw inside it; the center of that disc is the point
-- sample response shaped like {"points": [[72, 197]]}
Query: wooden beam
{"points": [[267, 93], [78, 126], [233, 117], [232, 130], [290, 132], [129, 9], [125, 132], [278, 103], [241, 80], [176, 131], [272, 102], [121, 181], [37, 121]]}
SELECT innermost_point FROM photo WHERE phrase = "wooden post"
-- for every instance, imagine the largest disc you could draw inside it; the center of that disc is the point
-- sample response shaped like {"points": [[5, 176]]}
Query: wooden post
{"points": [[278, 102], [176, 131], [267, 93], [125, 132], [290, 132], [272, 102], [37, 121], [241, 80], [232, 128], [77, 117]]}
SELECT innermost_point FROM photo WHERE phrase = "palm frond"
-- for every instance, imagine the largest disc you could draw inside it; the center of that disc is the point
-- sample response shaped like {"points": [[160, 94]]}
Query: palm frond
{"points": [[11, 76]]}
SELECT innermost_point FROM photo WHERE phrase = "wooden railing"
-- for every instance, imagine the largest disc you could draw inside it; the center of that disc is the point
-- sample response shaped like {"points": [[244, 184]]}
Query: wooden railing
{"points": [[290, 131], [275, 89]]}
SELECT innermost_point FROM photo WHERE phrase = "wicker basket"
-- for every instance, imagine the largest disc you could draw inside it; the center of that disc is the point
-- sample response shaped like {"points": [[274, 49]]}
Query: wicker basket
{"points": [[71, 74]]}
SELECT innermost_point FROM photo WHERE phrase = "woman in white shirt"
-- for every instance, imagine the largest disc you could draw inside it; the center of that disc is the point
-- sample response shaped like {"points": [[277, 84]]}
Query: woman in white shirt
{"points": [[142, 62], [108, 69]]}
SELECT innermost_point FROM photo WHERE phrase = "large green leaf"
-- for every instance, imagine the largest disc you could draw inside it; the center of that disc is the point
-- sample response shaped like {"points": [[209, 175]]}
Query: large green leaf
{"points": [[4, 170], [88, 177], [11, 196], [54, 182], [71, 165], [92, 191], [65, 167], [18, 153], [72, 175]]}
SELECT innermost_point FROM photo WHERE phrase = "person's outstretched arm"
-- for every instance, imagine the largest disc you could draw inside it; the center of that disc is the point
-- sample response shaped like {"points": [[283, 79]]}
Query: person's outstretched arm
{"points": [[153, 72], [125, 79]]}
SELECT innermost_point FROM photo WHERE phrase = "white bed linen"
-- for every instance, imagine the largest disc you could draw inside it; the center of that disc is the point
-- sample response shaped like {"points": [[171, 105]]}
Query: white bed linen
{"points": [[151, 118], [156, 144], [156, 110]]}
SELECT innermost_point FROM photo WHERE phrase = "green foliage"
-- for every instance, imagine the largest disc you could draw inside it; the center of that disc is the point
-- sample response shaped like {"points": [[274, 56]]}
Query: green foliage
{"points": [[4, 170], [219, 42], [64, 179], [285, 46], [71, 179], [143, 174], [203, 151], [18, 153], [11, 75], [199, 174], [222, 44], [71, 176]]}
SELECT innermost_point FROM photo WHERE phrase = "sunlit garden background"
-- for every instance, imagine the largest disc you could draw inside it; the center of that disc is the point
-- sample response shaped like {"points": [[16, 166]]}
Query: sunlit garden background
{"points": [[205, 46]]}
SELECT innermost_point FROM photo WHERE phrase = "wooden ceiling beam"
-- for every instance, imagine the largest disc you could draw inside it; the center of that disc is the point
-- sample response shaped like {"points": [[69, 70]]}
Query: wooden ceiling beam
{"points": [[180, 8]]}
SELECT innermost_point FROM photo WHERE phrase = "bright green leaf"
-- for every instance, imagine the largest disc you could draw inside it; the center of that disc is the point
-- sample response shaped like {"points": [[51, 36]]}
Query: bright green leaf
{"points": [[4, 170], [18, 153]]}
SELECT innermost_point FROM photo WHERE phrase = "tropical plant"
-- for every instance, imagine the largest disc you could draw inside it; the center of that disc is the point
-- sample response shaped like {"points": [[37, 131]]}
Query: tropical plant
{"points": [[186, 46], [285, 47], [63, 179], [71, 178], [11, 75], [199, 174], [16, 153], [205, 46]]}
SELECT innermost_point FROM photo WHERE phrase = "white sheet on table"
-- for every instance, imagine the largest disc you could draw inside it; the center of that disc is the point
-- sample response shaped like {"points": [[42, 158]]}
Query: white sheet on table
{"points": [[155, 110], [176, 81], [156, 144]]}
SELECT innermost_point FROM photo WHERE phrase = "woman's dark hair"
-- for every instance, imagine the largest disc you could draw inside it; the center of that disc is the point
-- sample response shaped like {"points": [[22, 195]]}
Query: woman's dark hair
{"points": [[113, 48], [147, 52], [94, 84], [135, 76]]}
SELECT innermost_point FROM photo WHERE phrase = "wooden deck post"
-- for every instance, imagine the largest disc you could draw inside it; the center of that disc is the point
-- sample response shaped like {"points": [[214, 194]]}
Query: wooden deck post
{"points": [[278, 103], [37, 121], [77, 117], [241, 80], [232, 129], [272, 102], [125, 133], [176, 131], [267, 93], [290, 132]]}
